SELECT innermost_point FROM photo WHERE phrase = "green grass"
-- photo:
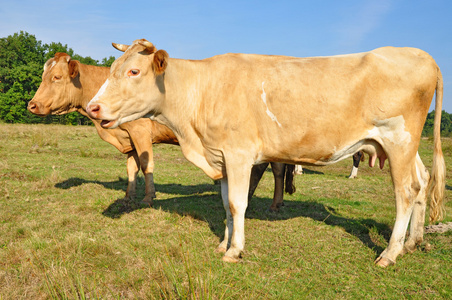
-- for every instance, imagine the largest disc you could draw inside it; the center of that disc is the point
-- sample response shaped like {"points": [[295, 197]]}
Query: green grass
{"points": [[67, 233]]}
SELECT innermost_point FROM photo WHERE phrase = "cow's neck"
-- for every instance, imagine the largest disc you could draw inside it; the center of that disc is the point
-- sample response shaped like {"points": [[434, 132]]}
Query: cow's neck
{"points": [[91, 79], [185, 82], [183, 90]]}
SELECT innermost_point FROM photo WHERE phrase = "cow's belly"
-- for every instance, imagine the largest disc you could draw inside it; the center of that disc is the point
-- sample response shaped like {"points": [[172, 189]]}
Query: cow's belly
{"points": [[325, 153], [371, 147]]}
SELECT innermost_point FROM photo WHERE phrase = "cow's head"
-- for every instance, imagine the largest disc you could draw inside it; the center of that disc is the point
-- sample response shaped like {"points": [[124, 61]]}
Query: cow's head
{"points": [[59, 89], [135, 85]]}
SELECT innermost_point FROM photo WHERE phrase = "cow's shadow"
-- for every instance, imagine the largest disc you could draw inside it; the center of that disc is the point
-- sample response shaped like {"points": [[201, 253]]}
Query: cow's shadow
{"points": [[120, 184], [203, 202]]}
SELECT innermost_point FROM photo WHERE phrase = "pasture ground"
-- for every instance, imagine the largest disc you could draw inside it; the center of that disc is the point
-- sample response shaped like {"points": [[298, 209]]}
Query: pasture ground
{"points": [[67, 233]]}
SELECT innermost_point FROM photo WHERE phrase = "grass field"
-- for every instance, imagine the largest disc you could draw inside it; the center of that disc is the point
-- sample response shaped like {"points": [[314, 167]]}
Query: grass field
{"points": [[67, 233]]}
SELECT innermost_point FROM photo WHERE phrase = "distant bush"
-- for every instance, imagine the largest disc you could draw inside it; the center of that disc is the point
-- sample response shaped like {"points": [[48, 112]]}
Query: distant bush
{"points": [[446, 124]]}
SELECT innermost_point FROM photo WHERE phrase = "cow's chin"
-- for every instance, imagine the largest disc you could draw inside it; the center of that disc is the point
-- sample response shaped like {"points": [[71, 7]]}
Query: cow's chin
{"points": [[109, 124]]}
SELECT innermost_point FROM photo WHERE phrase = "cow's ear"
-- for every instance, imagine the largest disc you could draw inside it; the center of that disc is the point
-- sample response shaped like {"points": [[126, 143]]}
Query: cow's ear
{"points": [[59, 55], [160, 61], [73, 68]]}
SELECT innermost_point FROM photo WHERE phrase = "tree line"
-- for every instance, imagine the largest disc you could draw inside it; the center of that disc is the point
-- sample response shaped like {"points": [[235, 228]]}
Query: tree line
{"points": [[22, 58]]}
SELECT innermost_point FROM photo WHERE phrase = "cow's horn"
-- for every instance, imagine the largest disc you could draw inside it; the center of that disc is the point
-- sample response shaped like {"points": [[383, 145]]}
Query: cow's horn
{"points": [[120, 47], [149, 46]]}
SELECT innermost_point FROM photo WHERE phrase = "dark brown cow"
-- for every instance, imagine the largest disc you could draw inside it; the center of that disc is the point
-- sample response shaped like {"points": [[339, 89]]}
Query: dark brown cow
{"points": [[67, 86]]}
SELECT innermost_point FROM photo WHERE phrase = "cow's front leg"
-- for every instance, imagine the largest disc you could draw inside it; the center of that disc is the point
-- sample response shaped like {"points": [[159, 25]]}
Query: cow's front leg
{"points": [[147, 167], [237, 185], [133, 165], [146, 162]]}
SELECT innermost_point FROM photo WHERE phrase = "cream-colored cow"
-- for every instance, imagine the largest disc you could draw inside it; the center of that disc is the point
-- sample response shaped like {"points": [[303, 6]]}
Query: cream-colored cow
{"points": [[232, 111]]}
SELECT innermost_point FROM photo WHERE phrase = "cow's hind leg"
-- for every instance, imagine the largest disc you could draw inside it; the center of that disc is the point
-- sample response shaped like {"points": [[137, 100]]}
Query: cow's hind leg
{"points": [[279, 170], [418, 216], [256, 176], [356, 160], [407, 190]]}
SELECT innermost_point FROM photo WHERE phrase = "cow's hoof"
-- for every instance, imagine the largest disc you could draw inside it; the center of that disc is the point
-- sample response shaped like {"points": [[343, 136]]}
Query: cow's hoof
{"points": [[384, 262], [409, 248], [273, 210], [427, 247], [129, 198], [221, 250], [148, 201], [229, 259]]}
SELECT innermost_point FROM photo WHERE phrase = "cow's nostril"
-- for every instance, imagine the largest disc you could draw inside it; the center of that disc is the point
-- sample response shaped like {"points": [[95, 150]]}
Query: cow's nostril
{"points": [[94, 107], [32, 106], [93, 110]]}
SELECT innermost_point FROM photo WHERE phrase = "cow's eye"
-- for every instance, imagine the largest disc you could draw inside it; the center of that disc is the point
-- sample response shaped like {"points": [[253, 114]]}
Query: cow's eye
{"points": [[133, 72], [56, 77]]}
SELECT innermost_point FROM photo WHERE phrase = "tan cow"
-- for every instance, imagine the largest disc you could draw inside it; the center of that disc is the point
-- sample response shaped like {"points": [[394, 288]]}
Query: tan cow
{"points": [[67, 86], [232, 111]]}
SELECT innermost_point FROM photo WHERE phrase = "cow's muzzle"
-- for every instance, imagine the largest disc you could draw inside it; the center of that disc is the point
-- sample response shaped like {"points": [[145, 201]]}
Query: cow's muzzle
{"points": [[95, 112], [37, 108]]}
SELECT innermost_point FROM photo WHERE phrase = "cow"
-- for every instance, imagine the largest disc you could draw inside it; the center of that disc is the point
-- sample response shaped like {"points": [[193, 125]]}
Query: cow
{"points": [[357, 158], [67, 85], [232, 111]]}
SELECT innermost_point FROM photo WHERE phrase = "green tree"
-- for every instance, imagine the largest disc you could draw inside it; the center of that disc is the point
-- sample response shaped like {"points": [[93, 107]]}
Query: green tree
{"points": [[108, 62], [21, 60], [446, 124], [53, 48]]}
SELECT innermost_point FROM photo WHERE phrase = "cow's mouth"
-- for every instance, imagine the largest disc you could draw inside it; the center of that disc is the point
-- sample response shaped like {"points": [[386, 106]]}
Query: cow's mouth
{"points": [[107, 124]]}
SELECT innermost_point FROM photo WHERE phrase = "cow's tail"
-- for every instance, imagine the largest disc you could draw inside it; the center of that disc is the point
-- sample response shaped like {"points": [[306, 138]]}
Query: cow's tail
{"points": [[437, 182], [290, 186]]}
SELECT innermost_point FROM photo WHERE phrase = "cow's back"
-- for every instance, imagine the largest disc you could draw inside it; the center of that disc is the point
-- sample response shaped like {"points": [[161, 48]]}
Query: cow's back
{"points": [[300, 107]]}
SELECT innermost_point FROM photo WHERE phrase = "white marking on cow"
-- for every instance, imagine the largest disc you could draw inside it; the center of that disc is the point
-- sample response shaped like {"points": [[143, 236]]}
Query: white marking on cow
{"points": [[392, 130], [269, 113], [52, 65], [100, 92], [49, 67], [298, 169], [418, 171], [354, 172]]}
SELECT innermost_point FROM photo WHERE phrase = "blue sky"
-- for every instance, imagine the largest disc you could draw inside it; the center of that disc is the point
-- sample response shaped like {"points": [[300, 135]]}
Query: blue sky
{"points": [[200, 29]]}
